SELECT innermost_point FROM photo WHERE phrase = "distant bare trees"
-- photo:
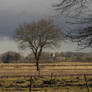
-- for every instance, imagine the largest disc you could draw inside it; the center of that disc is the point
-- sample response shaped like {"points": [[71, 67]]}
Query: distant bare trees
{"points": [[10, 57], [37, 36]]}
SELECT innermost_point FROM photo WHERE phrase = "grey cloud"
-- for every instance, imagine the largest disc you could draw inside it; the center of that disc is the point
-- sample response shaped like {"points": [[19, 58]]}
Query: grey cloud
{"points": [[15, 12]]}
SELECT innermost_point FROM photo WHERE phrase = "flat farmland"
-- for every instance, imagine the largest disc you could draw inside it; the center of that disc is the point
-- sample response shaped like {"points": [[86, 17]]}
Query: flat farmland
{"points": [[67, 77], [61, 68]]}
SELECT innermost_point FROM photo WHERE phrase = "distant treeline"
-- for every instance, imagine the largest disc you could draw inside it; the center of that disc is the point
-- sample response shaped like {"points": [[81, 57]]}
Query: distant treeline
{"points": [[75, 56], [15, 57]]}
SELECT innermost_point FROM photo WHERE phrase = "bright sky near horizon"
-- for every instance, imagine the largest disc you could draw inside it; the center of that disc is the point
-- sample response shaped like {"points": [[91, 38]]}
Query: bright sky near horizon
{"points": [[15, 12]]}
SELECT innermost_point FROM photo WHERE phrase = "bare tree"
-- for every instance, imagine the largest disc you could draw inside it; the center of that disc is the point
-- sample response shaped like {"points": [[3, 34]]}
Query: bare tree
{"points": [[82, 37], [37, 36], [82, 16], [65, 5], [77, 11]]}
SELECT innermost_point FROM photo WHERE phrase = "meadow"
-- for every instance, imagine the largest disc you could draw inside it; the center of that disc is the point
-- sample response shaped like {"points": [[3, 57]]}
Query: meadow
{"points": [[54, 77]]}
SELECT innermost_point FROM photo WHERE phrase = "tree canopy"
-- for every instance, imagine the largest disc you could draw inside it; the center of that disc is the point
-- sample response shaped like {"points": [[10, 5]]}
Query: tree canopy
{"points": [[37, 36]]}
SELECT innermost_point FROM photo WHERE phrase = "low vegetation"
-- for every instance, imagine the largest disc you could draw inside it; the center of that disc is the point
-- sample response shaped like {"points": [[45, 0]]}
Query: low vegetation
{"points": [[46, 84]]}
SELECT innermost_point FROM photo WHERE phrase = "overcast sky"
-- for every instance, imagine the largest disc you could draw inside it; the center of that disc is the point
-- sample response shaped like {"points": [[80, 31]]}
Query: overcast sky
{"points": [[15, 12]]}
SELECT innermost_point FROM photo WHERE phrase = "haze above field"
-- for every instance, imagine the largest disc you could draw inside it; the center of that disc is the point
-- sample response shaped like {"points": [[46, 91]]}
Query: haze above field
{"points": [[15, 12]]}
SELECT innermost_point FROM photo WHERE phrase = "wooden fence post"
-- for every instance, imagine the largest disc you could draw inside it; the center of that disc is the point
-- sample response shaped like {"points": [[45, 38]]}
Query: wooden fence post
{"points": [[51, 78], [30, 86], [86, 83]]}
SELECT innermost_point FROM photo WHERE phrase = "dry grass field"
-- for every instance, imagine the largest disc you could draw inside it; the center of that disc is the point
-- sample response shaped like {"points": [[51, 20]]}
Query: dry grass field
{"points": [[67, 77], [60, 68]]}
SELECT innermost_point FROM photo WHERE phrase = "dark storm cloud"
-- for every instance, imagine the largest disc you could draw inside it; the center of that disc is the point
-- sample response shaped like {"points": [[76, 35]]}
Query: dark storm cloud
{"points": [[15, 12], [9, 20]]}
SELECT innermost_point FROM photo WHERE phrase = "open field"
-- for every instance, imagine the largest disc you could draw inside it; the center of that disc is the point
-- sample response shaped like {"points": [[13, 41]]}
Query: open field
{"points": [[64, 68], [67, 77]]}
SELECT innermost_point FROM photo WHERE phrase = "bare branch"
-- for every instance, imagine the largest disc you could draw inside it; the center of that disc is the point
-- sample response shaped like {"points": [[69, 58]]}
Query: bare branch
{"points": [[37, 36]]}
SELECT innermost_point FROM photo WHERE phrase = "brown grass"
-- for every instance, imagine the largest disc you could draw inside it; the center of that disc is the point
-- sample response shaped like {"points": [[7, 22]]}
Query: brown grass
{"points": [[62, 68]]}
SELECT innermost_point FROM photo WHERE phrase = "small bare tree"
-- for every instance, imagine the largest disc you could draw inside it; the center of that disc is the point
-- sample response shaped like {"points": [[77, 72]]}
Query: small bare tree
{"points": [[37, 36]]}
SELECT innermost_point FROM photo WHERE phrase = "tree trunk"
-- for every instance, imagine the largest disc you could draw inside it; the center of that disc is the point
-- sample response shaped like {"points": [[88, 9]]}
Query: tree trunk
{"points": [[38, 68], [37, 65]]}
